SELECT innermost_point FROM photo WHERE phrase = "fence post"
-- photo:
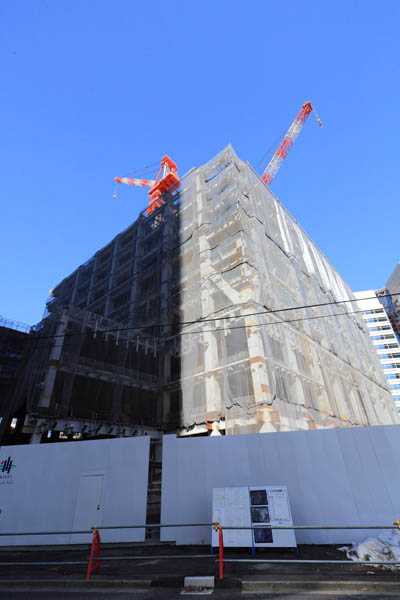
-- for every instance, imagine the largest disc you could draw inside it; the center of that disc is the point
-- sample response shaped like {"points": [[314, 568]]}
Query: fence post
{"points": [[94, 553], [218, 527], [221, 553], [98, 542]]}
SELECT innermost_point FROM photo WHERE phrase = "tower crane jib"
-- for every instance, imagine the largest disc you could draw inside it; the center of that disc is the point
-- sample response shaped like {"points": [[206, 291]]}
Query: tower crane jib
{"points": [[287, 142]]}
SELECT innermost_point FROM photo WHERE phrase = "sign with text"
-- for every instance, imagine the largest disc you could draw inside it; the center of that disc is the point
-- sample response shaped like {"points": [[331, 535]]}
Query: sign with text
{"points": [[252, 506]]}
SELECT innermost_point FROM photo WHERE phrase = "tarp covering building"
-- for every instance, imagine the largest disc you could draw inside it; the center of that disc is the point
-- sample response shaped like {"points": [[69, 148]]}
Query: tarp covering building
{"points": [[186, 321]]}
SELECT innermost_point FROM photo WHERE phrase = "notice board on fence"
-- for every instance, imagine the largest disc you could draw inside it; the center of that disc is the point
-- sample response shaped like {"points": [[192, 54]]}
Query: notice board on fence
{"points": [[252, 506]]}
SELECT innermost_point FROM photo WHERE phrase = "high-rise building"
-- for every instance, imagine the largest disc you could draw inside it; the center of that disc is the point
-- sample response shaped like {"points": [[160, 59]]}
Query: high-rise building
{"points": [[382, 319], [393, 299], [214, 314]]}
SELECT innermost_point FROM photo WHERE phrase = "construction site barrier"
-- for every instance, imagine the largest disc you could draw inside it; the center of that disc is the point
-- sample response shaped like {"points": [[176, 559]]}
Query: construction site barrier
{"points": [[222, 561], [94, 554], [218, 527], [104, 527], [94, 558]]}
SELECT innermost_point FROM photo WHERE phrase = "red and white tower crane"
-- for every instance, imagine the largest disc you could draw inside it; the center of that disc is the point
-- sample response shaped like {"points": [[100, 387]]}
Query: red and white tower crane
{"points": [[166, 180], [287, 142]]}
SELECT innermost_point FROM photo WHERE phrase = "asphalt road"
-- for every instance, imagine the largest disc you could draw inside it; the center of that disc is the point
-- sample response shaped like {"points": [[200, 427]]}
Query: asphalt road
{"points": [[170, 593]]}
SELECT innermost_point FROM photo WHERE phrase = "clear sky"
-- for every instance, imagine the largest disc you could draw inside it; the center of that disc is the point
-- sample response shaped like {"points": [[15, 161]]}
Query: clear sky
{"points": [[92, 89]]}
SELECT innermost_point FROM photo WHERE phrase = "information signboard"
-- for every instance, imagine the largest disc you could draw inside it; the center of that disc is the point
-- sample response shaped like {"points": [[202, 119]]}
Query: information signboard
{"points": [[252, 506]]}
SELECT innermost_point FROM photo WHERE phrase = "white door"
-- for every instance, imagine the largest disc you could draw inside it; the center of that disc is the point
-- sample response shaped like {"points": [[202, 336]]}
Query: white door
{"points": [[88, 507]]}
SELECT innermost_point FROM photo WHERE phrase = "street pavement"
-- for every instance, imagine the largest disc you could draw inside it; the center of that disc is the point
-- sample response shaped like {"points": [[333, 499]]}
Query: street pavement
{"points": [[154, 572], [170, 594]]}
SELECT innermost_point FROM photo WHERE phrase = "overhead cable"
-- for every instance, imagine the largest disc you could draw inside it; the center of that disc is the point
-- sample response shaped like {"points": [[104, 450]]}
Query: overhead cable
{"points": [[239, 316]]}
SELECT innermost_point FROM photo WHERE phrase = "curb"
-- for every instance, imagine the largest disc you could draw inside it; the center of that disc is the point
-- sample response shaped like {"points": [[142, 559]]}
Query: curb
{"points": [[157, 582], [179, 582], [246, 585], [320, 586], [75, 583]]}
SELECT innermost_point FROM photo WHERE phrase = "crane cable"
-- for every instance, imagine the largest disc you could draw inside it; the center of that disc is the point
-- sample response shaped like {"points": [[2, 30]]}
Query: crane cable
{"points": [[135, 174]]}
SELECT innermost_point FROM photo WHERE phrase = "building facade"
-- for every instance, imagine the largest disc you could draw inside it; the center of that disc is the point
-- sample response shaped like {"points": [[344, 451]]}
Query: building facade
{"points": [[13, 346], [216, 313], [392, 303], [382, 319]]}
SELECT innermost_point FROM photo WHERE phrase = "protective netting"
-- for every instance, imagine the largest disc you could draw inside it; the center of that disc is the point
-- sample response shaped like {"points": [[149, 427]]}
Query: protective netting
{"points": [[243, 253], [170, 325]]}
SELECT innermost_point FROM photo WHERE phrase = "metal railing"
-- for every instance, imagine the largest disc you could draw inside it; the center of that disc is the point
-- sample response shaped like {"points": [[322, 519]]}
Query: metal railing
{"points": [[17, 325], [394, 525], [95, 546]]}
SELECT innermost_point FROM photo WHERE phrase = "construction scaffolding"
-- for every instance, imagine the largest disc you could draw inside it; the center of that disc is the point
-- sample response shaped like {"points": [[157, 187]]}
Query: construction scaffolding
{"points": [[13, 343], [242, 253], [169, 327]]}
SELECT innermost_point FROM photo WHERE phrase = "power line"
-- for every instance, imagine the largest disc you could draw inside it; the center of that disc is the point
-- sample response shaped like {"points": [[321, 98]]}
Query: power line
{"points": [[161, 338], [229, 317], [145, 168], [272, 322]]}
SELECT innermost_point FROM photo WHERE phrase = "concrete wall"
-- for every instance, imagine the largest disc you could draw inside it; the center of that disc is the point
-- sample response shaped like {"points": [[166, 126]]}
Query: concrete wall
{"points": [[347, 476], [73, 486]]}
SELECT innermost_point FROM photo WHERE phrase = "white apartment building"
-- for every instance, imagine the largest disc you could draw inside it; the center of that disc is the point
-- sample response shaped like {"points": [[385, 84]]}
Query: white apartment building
{"points": [[393, 287], [384, 338]]}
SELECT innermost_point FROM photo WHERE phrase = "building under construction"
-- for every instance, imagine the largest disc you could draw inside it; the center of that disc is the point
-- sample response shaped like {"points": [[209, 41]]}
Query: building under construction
{"points": [[13, 342], [185, 322]]}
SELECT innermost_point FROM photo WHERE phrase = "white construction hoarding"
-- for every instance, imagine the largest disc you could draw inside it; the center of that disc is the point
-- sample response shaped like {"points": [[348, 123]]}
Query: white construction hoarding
{"points": [[348, 476], [73, 486]]}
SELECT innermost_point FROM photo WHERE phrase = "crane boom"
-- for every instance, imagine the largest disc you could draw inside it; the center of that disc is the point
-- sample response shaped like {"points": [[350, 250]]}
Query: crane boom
{"points": [[149, 183], [168, 181], [287, 142]]}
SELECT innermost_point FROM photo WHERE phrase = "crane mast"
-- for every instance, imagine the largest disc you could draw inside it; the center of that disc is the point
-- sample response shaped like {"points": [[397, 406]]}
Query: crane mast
{"points": [[287, 142]]}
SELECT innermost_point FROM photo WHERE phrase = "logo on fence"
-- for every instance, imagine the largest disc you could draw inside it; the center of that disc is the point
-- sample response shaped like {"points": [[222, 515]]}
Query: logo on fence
{"points": [[7, 465], [5, 470]]}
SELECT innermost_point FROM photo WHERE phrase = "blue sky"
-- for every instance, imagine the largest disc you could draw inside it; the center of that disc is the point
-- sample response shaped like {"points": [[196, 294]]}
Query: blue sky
{"points": [[94, 89]]}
